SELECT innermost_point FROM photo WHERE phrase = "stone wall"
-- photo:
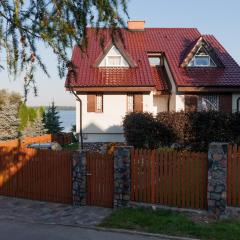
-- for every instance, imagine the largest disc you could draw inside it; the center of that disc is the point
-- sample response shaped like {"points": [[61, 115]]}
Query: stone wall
{"points": [[122, 176], [99, 146], [217, 179], [79, 179]]}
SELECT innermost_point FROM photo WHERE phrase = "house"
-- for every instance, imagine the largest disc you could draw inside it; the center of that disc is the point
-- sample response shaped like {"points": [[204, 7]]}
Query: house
{"points": [[149, 69]]}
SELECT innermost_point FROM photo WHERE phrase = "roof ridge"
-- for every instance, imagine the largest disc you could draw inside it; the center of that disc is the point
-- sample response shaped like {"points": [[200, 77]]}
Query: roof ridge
{"points": [[147, 28]]}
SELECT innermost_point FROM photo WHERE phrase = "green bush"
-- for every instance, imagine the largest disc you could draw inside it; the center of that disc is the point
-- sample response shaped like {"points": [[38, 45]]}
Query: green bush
{"points": [[142, 130], [193, 130]]}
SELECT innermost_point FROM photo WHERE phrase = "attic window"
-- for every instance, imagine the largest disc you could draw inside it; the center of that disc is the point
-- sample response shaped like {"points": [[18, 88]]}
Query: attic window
{"points": [[113, 59], [201, 59]]}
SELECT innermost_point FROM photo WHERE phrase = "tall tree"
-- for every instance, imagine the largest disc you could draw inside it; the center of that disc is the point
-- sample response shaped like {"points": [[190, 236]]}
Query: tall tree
{"points": [[36, 127], [28, 115], [52, 120], [9, 121], [57, 23]]}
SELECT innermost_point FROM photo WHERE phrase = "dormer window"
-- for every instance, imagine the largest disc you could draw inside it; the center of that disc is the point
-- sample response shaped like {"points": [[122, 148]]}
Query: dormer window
{"points": [[154, 59], [113, 59], [201, 59]]}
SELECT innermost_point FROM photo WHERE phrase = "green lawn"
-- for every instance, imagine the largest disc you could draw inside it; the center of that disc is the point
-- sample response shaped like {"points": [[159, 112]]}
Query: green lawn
{"points": [[73, 147], [167, 222]]}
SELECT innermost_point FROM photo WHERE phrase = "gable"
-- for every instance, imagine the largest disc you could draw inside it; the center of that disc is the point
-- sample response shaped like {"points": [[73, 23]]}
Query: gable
{"points": [[202, 55], [113, 58]]}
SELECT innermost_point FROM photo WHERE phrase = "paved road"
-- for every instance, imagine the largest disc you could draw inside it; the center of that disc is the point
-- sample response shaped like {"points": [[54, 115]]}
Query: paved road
{"points": [[11, 230]]}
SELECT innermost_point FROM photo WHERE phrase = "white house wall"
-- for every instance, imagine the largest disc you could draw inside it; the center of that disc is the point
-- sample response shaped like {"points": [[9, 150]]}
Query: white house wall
{"points": [[147, 102], [180, 102], [106, 126]]}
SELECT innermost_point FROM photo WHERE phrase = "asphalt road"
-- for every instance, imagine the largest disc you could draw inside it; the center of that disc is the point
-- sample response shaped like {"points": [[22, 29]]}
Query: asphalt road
{"points": [[11, 230]]}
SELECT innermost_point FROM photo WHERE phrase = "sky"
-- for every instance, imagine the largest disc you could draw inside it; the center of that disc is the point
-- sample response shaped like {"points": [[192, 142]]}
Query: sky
{"points": [[218, 17]]}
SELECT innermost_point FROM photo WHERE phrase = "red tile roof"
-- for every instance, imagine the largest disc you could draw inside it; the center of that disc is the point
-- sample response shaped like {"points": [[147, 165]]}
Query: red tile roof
{"points": [[159, 78], [175, 43]]}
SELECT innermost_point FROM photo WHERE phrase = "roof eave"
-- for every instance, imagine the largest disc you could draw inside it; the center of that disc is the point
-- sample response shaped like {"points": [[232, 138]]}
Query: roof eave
{"points": [[207, 89]]}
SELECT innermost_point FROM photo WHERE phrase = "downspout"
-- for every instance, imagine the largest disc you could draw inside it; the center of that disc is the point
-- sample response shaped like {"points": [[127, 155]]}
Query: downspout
{"points": [[80, 133]]}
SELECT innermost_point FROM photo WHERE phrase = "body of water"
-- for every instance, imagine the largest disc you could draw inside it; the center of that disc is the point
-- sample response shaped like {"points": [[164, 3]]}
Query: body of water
{"points": [[68, 118]]}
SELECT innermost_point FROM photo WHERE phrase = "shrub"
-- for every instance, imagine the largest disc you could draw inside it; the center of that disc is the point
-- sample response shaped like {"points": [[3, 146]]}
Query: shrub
{"points": [[193, 130], [142, 130], [196, 130]]}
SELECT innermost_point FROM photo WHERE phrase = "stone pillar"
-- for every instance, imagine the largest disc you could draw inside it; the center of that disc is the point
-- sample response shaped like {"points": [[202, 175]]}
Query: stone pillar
{"points": [[122, 176], [79, 182], [217, 179]]}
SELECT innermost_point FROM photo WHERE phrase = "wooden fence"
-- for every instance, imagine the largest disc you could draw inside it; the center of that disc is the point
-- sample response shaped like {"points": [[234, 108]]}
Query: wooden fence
{"points": [[170, 178], [36, 174], [233, 176], [62, 139]]}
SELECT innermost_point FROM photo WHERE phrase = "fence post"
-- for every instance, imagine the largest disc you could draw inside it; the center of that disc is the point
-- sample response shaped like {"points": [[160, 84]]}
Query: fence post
{"points": [[79, 181], [217, 179], [122, 176]]}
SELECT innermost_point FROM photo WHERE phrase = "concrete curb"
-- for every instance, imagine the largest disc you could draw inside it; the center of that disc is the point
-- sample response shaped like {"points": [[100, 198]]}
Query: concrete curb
{"points": [[103, 229], [131, 232]]}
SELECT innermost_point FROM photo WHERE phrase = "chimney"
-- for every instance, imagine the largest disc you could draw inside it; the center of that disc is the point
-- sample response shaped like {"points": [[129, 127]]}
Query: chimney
{"points": [[136, 25]]}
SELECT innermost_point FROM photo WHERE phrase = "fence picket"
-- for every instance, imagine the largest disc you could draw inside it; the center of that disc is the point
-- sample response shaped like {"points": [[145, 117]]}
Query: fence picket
{"points": [[169, 178], [36, 174]]}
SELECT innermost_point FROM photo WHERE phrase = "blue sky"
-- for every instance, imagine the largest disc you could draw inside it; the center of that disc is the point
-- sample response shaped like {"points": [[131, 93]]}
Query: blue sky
{"points": [[218, 17]]}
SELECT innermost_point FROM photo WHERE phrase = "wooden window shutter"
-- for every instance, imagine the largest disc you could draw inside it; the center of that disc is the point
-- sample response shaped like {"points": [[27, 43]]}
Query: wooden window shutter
{"points": [[91, 102], [138, 103], [191, 103], [225, 103]]}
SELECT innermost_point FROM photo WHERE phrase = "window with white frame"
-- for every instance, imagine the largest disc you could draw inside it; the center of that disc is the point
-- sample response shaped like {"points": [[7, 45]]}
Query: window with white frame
{"points": [[130, 102], [201, 59], [114, 59], [99, 103], [208, 103], [238, 104]]}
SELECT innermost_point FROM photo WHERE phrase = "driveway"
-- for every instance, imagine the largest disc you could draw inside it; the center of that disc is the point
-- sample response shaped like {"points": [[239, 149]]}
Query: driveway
{"points": [[22, 231], [52, 213]]}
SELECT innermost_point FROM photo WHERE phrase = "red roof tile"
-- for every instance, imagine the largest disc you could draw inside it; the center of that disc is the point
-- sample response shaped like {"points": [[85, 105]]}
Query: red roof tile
{"points": [[159, 78], [173, 42]]}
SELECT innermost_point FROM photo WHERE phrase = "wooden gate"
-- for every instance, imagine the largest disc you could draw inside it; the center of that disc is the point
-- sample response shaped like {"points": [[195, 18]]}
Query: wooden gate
{"points": [[100, 179], [42, 175]]}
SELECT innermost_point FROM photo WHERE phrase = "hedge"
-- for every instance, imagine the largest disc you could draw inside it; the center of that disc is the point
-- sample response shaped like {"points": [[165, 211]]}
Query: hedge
{"points": [[142, 130], [193, 130]]}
